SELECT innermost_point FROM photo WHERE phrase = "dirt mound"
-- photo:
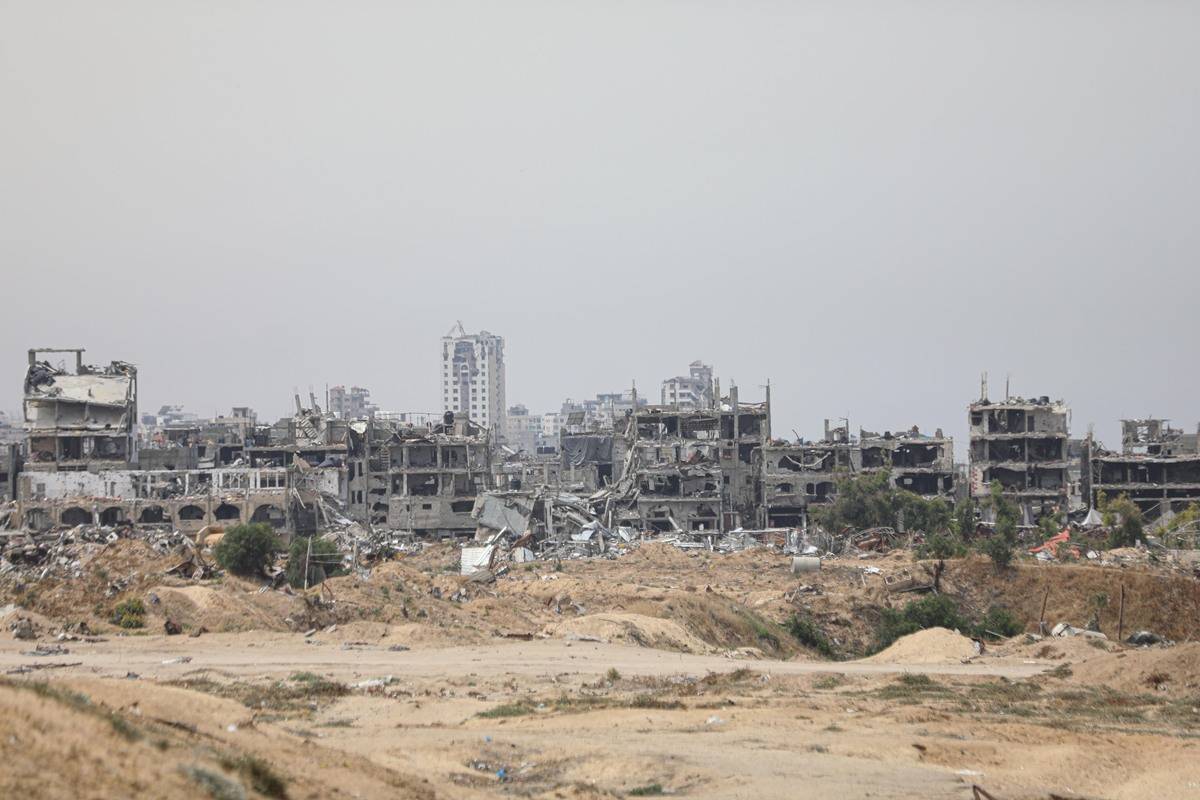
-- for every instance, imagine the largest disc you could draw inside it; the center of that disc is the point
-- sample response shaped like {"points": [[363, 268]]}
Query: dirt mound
{"points": [[931, 646], [123, 739], [1175, 670], [228, 607], [1167, 603], [663, 634]]}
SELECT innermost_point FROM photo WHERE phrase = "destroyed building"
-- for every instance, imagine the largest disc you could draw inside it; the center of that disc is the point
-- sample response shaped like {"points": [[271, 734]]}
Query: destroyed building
{"points": [[85, 466], [419, 479], [692, 470], [1158, 468], [80, 419], [917, 463], [10, 466], [797, 475], [1024, 446]]}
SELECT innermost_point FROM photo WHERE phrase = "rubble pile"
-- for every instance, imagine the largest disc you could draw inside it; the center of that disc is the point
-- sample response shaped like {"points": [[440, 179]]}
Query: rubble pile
{"points": [[63, 552]]}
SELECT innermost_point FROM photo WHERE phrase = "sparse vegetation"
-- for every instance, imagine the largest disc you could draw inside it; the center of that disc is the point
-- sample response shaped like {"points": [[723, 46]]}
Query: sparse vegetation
{"points": [[517, 709], [247, 549], [942, 545], [1000, 545], [649, 790], [931, 611], [130, 613], [324, 561], [871, 501], [941, 611], [807, 632], [217, 786], [261, 777], [997, 623], [1123, 519]]}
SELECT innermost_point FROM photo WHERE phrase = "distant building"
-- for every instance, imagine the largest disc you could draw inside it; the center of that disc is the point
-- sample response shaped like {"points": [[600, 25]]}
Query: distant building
{"points": [[692, 391], [1024, 445], [473, 376], [522, 430], [169, 415], [79, 420], [599, 413], [352, 403]]}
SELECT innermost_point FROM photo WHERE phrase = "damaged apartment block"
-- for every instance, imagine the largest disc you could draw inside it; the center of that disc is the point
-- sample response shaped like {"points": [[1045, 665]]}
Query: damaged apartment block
{"points": [[1158, 468], [422, 479], [692, 470], [796, 475], [1025, 446], [83, 419], [86, 469]]}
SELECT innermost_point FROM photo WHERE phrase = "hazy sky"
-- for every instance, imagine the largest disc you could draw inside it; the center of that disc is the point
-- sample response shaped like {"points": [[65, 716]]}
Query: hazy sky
{"points": [[867, 203]]}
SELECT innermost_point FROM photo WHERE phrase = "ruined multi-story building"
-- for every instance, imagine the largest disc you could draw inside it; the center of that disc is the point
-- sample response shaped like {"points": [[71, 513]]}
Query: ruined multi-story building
{"points": [[692, 470], [86, 467], [917, 463], [423, 480], [352, 403], [797, 475], [1024, 445], [1158, 468], [80, 419], [10, 466]]}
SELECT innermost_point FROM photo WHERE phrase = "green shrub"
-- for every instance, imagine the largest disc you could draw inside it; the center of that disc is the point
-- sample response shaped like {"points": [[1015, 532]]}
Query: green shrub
{"points": [[805, 630], [1000, 545], [998, 549], [130, 613], [942, 545], [871, 501], [931, 611], [325, 561], [247, 549], [998, 622], [1125, 521]]}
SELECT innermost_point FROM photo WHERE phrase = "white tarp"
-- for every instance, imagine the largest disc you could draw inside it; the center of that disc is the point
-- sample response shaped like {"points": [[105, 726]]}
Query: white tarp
{"points": [[475, 559]]}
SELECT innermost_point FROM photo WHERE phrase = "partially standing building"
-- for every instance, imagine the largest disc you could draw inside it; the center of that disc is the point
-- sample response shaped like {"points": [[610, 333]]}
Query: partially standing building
{"points": [[1158, 468], [1024, 446]]}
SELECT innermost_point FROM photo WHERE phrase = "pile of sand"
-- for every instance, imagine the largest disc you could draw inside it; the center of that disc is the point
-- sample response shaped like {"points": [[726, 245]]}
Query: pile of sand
{"points": [[931, 646], [661, 634], [1174, 670]]}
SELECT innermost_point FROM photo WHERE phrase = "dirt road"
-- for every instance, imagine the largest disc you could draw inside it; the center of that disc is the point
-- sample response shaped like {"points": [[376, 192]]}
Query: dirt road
{"points": [[281, 654]]}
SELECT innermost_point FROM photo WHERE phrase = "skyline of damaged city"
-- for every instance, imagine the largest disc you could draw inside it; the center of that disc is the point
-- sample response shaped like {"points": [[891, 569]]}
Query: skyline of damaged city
{"points": [[698, 457], [923, 417]]}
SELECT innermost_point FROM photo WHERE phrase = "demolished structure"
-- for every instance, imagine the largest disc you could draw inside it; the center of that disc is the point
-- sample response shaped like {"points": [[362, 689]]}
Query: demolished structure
{"points": [[1024, 446], [419, 479], [83, 419], [1158, 468], [302, 473], [797, 475], [691, 470]]}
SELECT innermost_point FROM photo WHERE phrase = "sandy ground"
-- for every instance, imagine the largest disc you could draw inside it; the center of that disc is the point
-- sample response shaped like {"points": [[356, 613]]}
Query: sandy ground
{"points": [[277, 655], [564, 719], [658, 673]]}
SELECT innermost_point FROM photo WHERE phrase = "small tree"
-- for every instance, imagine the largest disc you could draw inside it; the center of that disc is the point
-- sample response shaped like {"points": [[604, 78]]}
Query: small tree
{"points": [[247, 549], [1127, 527], [964, 519], [999, 546], [871, 501], [324, 561]]}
